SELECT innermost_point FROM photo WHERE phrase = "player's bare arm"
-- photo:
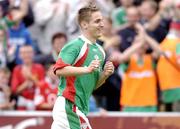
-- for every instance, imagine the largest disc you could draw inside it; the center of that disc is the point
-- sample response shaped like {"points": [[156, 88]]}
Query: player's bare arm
{"points": [[73, 71], [108, 70]]}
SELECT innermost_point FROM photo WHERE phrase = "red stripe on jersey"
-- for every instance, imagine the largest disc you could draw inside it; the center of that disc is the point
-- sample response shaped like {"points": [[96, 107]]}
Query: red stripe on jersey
{"points": [[59, 65], [84, 125], [70, 90], [81, 61]]}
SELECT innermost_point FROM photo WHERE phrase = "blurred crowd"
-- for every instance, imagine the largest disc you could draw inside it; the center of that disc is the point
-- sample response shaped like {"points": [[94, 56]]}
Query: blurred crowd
{"points": [[140, 37]]}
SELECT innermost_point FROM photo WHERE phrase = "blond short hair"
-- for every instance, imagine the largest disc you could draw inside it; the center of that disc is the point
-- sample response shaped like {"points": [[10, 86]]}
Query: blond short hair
{"points": [[84, 13]]}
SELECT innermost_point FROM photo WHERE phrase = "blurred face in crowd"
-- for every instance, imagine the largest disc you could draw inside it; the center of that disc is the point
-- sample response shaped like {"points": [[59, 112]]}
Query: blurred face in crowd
{"points": [[27, 54], [148, 9], [132, 15], [177, 9], [126, 3], [58, 43], [107, 26]]}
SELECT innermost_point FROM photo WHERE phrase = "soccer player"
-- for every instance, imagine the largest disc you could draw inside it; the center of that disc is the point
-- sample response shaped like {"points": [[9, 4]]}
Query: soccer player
{"points": [[80, 68]]}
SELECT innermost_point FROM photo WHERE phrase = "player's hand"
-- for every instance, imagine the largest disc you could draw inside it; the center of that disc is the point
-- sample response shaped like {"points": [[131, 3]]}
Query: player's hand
{"points": [[93, 65], [108, 68]]}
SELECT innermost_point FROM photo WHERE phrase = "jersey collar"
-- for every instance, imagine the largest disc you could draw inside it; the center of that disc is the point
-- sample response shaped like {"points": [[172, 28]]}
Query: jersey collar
{"points": [[85, 39]]}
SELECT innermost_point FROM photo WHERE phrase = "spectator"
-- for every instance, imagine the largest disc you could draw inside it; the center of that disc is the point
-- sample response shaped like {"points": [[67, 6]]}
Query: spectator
{"points": [[110, 39], [119, 15], [25, 79], [18, 36], [72, 25], [106, 10], [9, 20], [159, 32], [47, 91], [5, 91], [55, 20], [127, 34], [28, 19], [58, 41], [3, 7], [139, 78], [168, 70]]}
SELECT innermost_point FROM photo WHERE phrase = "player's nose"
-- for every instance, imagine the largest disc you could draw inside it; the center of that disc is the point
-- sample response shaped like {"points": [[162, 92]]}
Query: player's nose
{"points": [[101, 24]]}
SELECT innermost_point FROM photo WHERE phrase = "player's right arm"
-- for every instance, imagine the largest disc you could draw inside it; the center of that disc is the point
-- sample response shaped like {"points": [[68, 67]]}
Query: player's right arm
{"points": [[73, 71], [69, 53]]}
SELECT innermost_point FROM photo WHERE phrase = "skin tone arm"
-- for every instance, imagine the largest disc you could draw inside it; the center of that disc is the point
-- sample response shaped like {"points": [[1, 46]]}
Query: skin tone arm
{"points": [[108, 70], [7, 105], [137, 44], [46, 106], [124, 57], [155, 21], [153, 44], [23, 86], [73, 71]]}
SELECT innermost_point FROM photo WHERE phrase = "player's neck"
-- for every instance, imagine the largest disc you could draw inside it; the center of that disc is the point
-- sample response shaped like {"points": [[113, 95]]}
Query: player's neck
{"points": [[89, 37]]}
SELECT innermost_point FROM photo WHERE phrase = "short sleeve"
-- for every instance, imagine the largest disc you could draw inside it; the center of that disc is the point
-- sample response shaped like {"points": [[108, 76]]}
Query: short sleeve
{"points": [[70, 52], [68, 55]]}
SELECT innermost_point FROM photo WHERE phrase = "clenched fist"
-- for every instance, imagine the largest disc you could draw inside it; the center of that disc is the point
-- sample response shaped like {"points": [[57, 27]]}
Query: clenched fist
{"points": [[108, 68]]}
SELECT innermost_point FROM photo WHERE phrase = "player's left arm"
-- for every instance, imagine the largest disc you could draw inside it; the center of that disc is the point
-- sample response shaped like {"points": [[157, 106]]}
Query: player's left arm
{"points": [[108, 70]]}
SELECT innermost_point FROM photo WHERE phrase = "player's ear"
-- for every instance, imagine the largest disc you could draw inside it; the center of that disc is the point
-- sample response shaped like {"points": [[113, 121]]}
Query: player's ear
{"points": [[84, 25]]}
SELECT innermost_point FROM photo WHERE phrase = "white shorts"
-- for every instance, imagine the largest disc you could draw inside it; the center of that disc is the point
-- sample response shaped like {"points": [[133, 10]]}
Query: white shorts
{"points": [[67, 116]]}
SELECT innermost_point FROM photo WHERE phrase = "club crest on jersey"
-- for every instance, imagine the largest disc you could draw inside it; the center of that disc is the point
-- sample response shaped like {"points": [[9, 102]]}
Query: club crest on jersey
{"points": [[94, 50], [96, 57]]}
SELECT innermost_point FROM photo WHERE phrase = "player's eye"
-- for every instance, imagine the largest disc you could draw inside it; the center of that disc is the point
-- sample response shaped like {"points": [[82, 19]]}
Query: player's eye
{"points": [[98, 20]]}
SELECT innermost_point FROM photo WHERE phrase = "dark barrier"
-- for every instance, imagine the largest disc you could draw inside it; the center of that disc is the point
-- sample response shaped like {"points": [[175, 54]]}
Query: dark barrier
{"points": [[113, 120]]}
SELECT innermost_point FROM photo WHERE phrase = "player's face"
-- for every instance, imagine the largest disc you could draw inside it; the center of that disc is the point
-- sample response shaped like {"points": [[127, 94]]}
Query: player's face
{"points": [[95, 25]]}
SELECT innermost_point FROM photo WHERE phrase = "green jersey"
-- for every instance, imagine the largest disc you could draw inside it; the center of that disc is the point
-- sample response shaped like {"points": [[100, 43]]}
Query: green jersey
{"points": [[5, 23], [80, 53]]}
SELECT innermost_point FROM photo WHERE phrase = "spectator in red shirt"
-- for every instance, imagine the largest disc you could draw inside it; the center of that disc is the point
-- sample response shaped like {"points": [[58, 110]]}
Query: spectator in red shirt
{"points": [[25, 78], [47, 91]]}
